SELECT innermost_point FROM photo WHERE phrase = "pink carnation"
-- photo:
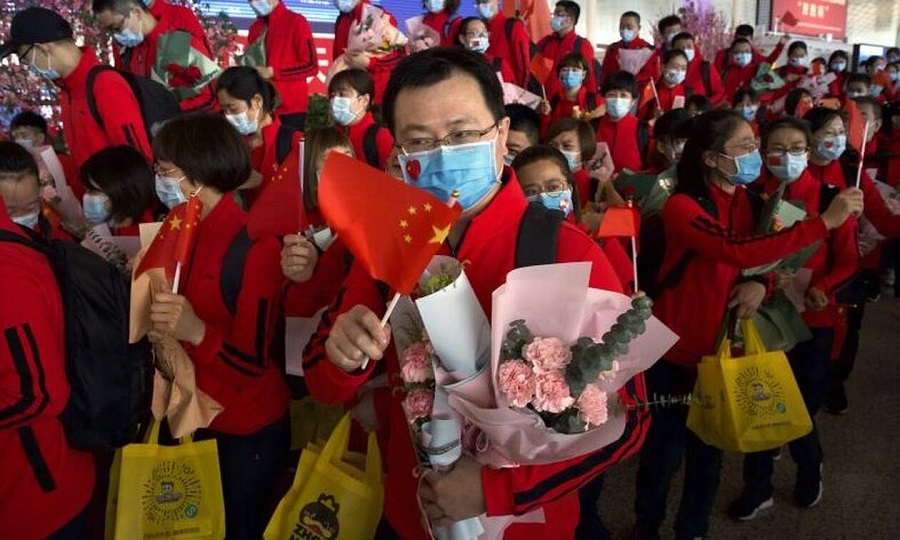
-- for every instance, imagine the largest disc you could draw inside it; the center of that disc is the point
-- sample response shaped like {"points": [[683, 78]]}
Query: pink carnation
{"points": [[592, 406], [417, 363], [418, 404], [517, 382], [547, 355], [48, 193], [551, 393]]}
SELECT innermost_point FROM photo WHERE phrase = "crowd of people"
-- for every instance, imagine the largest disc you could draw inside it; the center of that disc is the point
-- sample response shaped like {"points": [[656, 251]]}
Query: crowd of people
{"points": [[713, 144]]}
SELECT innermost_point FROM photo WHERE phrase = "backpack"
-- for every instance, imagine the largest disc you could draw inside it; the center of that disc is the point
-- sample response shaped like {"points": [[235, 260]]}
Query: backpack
{"points": [[110, 379], [643, 138], [284, 142], [157, 104], [596, 66], [370, 146]]}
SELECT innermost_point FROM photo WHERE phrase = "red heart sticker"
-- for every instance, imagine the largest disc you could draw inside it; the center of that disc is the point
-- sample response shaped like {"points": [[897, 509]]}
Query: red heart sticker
{"points": [[413, 169]]}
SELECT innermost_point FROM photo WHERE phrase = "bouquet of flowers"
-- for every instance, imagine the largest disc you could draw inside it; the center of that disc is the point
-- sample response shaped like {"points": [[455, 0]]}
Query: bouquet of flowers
{"points": [[766, 79], [373, 35], [421, 36]]}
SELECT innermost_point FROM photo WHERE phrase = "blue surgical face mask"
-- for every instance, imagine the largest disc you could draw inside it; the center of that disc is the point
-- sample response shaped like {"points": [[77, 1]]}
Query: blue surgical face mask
{"points": [[749, 112], [617, 108], [26, 143], [469, 169], [571, 79], [838, 67], [345, 6], [487, 11], [128, 38], [748, 168], [48, 73], [895, 76], [479, 44], [96, 208], [831, 148], [627, 35], [574, 159], [743, 59], [675, 77], [435, 6], [790, 169], [342, 111], [261, 7], [557, 23], [29, 221], [168, 189], [690, 53], [799, 61], [242, 123], [555, 200]]}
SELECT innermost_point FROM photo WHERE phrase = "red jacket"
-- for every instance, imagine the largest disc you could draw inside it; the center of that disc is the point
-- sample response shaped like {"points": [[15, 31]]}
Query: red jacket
{"points": [[141, 59], [694, 306], [611, 60], [489, 244], [232, 362], [892, 162], [181, 17], [562, 107], [667, 96], [622, 138], [784, 72], [734, 78], [379, 68], [264, 158], [502, 67], [836, 87], [305, 299], [384, 141], [291, 53], [513, 46], [116, 105], [837, 259], [694, 79], [33, 393], [555, 47], [876, 209], [723, 59], [445, 24]]}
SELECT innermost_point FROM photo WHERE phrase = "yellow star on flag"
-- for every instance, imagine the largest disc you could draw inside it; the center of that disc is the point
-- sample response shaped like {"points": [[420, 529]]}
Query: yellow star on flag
{"points": [[427, 207], [404, 224], [439, 234], [174, 223], [407, 238], [412, 210]]}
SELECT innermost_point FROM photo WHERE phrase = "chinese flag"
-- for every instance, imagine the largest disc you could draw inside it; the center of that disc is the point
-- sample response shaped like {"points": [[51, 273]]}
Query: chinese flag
{"points": [[648, 94], [789, 19], [391, 228], [279, 208], [168, 241], [541, 68], [535, 14], [856, 126], [619, 221], [802, 108]]}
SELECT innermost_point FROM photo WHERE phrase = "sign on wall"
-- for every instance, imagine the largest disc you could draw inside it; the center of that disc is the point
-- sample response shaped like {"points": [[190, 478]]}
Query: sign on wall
{"points": [[815, 17]]}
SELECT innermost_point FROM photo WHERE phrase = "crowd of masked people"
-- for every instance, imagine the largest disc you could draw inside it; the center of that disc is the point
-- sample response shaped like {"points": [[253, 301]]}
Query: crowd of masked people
{"points": [[712, 146]]}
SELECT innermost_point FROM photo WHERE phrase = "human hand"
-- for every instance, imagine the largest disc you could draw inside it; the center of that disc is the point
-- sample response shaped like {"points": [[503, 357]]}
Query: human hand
{"points": [[543, 107], [298, 258], [453, 495], [173, 315], [816, 300], [784, 278], [356, 334], [358, 59], [265, 72], [746, 297], [850, 201]]}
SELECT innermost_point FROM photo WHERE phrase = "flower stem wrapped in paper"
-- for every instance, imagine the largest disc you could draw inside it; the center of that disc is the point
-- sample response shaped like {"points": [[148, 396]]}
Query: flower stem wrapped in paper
{"points": [[374, 35], [560, 353]]}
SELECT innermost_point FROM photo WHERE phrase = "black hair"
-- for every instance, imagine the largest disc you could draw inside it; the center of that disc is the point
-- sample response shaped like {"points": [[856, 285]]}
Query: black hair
{"points": [[838, 55], [524, 119], [572, 60], [542, 152], [621, 80], [244, 82], [797, 45], [672, 53], [669, 123], [699, 102], [633, 14], [16, 162], [869, 100], [667, 21], [29, 119], [123, 175], [122, 7], [709, 132], [892, 50], [787, 122], [859, 77], [793, 99], [207, 148], [819, 117], [357, 79], [744, 92], [571, 8], [450, 6], [430, 67], [587, 138], [744, 30], [317, 141], [740, 41], [683, 35], [463, 27]]}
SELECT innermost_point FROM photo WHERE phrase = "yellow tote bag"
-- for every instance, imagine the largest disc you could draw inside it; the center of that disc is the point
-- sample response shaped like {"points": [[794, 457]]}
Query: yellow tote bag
{"points": [[336, 493], [165, 491], [750, 403]]}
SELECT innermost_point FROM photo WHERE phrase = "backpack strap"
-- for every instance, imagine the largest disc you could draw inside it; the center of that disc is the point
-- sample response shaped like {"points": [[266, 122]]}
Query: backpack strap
{"points": [[497, 64], [508, 28], [643, 137], [284, 141], [827, 193], [369, 145], [538, 236], [706, 77], [232, 273], [91, 98], [591, 101], [447, 24]]}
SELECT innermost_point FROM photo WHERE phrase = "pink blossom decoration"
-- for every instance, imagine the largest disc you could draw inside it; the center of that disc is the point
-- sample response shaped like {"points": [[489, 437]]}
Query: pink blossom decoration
{"points": [[547, 355], [48, 193], [592, 406], [517, 383], [418, 404], [551, 393], [417, 366]]}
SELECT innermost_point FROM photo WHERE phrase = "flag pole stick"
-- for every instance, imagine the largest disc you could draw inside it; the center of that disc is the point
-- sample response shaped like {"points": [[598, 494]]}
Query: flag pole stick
{"points": [[634, 256], [862, 157], [177, 277], [384, 321]]}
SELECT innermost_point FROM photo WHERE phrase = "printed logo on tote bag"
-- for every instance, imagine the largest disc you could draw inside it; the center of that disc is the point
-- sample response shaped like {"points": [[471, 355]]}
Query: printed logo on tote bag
{"points": [[172, 493], [759, 393], [318, 520]]}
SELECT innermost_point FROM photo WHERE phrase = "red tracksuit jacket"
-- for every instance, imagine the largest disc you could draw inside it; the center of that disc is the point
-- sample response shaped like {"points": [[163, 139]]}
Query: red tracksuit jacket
{"points": [[563, 107], [555, 47], [734, 78], [694, 307], [723, 59], [232, 362], [875, 211], [181, 17], [694, 79], [514, 47], [384, 141], [379, 68], [611, 60], [33, 393], [622, 138], [291, 53], [667, 96], [441, 23], [837, 259], [116, 105], [264, 158], [489, 243]]}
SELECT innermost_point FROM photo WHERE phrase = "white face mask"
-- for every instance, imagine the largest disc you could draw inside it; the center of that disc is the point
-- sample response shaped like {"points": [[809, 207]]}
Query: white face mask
{"points": [[29, 221]]}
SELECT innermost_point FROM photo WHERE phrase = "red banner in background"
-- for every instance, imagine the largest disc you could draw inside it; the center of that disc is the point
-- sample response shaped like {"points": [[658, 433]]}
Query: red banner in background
{"points": [[814, 17]]}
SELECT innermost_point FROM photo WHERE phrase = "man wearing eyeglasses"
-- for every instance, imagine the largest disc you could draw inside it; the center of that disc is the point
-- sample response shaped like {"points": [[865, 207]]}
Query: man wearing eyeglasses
{"points": [[43, 39], [445, 110]]}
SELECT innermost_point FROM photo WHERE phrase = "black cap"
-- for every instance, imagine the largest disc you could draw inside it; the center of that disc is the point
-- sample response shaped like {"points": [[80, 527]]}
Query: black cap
{"points": [[35, 25]]}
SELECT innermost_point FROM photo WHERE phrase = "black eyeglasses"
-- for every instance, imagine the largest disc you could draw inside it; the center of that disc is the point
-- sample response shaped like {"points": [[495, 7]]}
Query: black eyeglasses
{"points": [[456, 138]]}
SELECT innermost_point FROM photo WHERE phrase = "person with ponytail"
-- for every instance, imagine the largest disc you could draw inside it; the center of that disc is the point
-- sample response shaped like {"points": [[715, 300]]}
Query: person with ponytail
{"points": [[248, 102], [710, 228]]}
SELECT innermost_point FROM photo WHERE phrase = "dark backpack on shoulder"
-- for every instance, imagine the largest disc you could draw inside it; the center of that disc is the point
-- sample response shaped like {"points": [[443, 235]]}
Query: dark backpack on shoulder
{"points": [[370, 145], [157, 104], [110, 379]]}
